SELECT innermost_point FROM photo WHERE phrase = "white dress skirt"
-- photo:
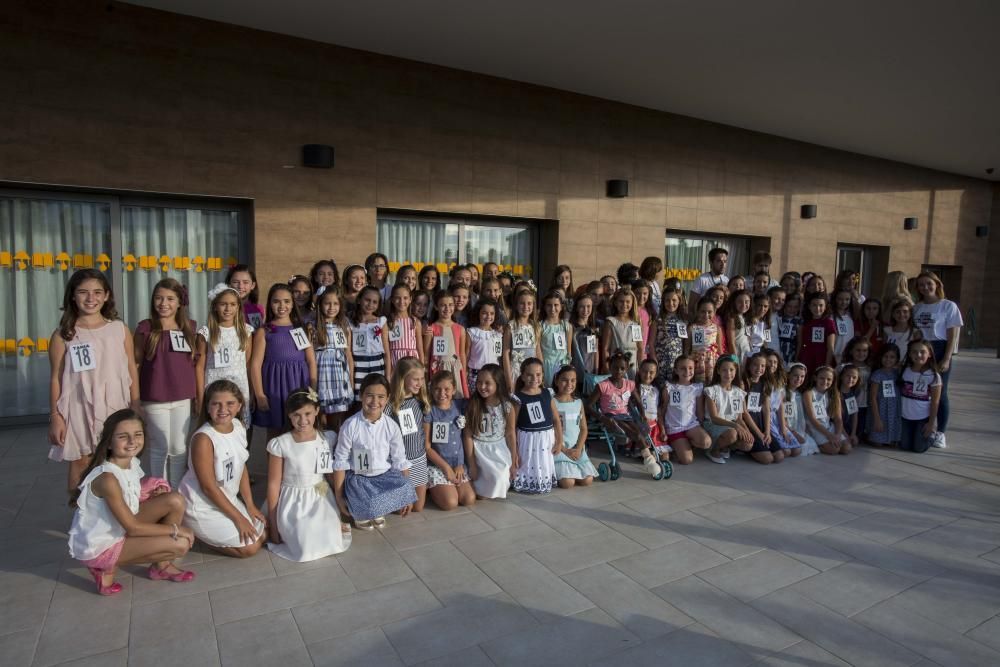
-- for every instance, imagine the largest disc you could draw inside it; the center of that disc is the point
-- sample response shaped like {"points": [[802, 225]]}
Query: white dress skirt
{"points": [[307, 517], [201, 515], [536, 472], [493, 459]]}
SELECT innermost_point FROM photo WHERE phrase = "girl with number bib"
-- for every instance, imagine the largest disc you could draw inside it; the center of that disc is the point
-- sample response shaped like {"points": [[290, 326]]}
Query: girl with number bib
{"points": [[446, 344], [539, 434], [217, 478], [302, 512], [780, 407], [484, 339], [758, 324], [817, 336], [369, 338], [282, 359], [522, 338], [848, 382], [821, 404], [843, 322], [788, 329], [669, 333], [405, 331], [370, 464], [885, 425], [725, 408], [646, 399], [704, 344], [93, 371], [164, 353], [586, 354], [332, 338], [682, 412], [489, 434], [557, 337], [572, 465], [224, 345], [622, 332], [448, 479], [921, 390], [795, 416], [242, 279], [408, 403], [757, 417], [735, 314]]}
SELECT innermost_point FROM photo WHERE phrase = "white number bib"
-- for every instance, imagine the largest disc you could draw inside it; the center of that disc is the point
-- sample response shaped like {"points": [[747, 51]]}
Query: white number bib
{"points": [[407, 422], [818, 334], [649, 405], [361, 461], [920, 388], [497, 347], [788, 330], [889, 388], [439, 433], [675, 398], [851, 403], [300, 339], [767, 335], [559, 340], [841, 327], [324, 459], [178, 342], [82, 357], [439, 347], [753, 401], [591, 344], [223, 357], [636, 333], [228, 469], [789, 411], [819, 410], [535, 413], [682, 330], [395, 333], [523, 339], [737, 405], [360, 341], [698, 339], [339, 339], [255, 320]]}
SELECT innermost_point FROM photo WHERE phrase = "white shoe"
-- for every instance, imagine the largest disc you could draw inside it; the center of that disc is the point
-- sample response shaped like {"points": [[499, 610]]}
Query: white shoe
{"points": [[937, 440], [651, 465], [364, 525], [379, 522], [713, 458], [725, 454]]}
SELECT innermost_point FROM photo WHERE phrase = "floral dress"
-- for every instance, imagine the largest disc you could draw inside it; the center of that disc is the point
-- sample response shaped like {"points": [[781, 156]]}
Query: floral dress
{"points": [[671, 331], [445, 356], [704, 350]]}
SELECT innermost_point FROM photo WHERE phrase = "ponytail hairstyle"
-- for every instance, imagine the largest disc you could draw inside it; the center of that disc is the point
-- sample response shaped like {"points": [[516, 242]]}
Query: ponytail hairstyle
{"points": [[183, 323], [297, 400], [477, 408], [67, 323], [102, 450]]}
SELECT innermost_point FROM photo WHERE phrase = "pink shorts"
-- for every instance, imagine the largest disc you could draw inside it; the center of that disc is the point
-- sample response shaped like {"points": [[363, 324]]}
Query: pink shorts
{"points": [[108, 558], [674, 437]]}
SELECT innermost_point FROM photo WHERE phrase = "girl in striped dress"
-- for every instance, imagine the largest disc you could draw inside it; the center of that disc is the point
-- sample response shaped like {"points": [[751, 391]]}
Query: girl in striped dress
{"points": [[408, 403], [370, 343], [446, 344], [405, 335], [334, 361]]}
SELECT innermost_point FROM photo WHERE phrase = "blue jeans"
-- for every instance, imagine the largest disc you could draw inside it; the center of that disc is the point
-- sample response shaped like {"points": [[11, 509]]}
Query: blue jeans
{"points": [[913, 439], [942, 416]]}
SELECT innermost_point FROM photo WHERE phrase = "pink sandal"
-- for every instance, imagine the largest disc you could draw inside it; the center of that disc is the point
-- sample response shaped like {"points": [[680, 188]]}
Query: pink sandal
{"points": [[156, 574], [98, 576]]}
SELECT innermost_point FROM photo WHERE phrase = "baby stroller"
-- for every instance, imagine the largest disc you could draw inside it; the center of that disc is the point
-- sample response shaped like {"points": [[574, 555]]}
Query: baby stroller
{"points": [[666, 467], [597, 431]]}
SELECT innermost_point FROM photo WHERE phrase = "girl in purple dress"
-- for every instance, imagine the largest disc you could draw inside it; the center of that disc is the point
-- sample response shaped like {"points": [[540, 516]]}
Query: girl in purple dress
{"points": [[282, 359]]}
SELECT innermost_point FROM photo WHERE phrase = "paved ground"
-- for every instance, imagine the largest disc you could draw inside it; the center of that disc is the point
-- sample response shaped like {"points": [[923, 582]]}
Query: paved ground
{"points": [[879, 558]]}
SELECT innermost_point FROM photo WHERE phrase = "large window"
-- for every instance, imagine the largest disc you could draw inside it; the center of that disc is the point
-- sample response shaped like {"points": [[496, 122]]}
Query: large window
{"points": [[44, 237], [686, 255], [445, 242]]}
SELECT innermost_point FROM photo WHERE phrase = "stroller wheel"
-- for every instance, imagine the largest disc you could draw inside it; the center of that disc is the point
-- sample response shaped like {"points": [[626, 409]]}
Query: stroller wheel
{"points": [[668, 469], [616, 471], [603, 472]]}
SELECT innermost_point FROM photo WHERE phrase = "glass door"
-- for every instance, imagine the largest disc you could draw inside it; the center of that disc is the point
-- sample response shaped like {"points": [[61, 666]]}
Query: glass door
{"points": [[510, 247], [856, 258]]}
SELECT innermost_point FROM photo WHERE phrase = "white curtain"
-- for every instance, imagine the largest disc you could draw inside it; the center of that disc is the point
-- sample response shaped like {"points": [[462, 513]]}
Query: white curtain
{"points": [[507, 246], [41, 242], [417, 242], [198, 246]]}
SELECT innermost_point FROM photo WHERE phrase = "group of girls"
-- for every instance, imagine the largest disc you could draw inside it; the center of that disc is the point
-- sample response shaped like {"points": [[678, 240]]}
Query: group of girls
{"points": [[376, 395]]}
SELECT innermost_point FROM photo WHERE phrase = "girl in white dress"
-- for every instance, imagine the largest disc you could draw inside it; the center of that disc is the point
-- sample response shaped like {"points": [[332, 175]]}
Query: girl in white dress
{"points": [[821, 405], [121, 518], [489, 433], [223, 346], [573, 466], [302, 511], [539, 432], [217, 475]]}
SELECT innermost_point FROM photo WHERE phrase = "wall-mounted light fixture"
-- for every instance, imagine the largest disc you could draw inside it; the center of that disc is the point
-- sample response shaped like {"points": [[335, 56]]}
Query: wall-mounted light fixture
{"points": [[909, 224], [318, 156], [808, 211], [617, 188]]}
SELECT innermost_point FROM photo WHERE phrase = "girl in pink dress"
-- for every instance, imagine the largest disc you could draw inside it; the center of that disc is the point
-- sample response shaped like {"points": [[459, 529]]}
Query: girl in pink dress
{"points": [[405, 334], [93, 371]]}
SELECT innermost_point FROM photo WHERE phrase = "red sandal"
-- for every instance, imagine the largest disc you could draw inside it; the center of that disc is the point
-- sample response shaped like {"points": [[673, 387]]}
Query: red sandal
{"points": [[156, 574], [110, 589]]}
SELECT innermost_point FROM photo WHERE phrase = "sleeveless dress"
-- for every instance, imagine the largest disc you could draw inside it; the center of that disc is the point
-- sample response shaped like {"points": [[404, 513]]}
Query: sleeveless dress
{"points": [[889, 408], [536, 472], [755, 408], [586, 358], [410, 420], [778, 406], [307, 515], [555, 352], [821, 409], [88, 397], [369, 354], [522, 338], [201, 515], [705, 354], [795, 417], [485, 347], [571, 414], [96, 537], [445, 356], [740, 344], [402, 340], [226, 361], [332, 380], [493, 460], [446, 440], [283, 371], [668, 345], [622, 340]]}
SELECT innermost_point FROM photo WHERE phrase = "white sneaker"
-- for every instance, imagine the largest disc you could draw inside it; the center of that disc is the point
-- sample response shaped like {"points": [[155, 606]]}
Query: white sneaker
{"points": [[713, 458], [651, 465], [937, 440], [725, 454]]}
